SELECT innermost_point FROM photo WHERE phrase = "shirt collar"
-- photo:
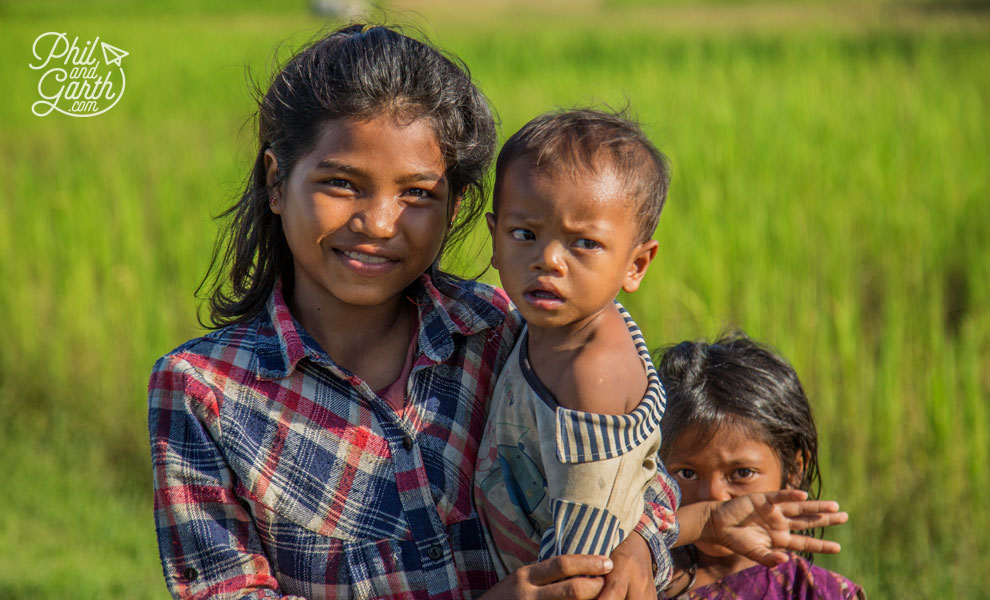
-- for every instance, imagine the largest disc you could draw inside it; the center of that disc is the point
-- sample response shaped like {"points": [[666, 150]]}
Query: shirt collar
{"points": [[279, 344], [447, 306], [454, 306]]}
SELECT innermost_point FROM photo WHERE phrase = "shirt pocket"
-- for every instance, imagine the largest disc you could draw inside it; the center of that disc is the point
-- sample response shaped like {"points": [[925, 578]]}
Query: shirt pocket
{"points": [[449, 449], [309, 564], [328, 476]]}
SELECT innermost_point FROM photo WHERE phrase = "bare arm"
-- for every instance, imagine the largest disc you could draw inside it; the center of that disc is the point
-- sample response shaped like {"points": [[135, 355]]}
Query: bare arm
{"points": [[603, 373]]}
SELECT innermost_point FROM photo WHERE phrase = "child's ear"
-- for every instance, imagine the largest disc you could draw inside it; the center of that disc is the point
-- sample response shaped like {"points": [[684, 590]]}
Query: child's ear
{"points": [[490, 219], [456, 208], [797, 475], [271, 180], [642, 256], [453, 213]]}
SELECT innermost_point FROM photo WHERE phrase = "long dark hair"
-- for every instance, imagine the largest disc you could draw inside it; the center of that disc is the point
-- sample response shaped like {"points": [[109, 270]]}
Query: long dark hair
{"points": [[740, 383], [358, 71]]}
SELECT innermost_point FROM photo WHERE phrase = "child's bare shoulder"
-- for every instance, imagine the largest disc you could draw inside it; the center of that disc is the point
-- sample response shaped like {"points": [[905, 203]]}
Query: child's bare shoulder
{"points": [[607, 375]]}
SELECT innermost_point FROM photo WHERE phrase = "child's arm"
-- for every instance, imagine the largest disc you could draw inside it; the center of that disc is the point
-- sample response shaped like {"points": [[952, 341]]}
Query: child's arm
{"points": [[607, 378], [604, 376], [207, 541], [642, 563], [758, 526]]}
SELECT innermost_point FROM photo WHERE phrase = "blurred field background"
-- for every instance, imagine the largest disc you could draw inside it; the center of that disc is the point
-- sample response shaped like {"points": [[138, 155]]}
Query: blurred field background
{"points": [[831, 196]]}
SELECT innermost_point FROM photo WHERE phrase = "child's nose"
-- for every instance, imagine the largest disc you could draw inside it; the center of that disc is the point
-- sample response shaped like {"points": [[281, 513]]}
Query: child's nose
{"points": [[716, 488], [550, 258], [377, 218]]}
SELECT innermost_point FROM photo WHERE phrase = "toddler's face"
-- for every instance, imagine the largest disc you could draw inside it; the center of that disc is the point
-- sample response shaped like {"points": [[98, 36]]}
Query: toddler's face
{"points": [[565, 245]]}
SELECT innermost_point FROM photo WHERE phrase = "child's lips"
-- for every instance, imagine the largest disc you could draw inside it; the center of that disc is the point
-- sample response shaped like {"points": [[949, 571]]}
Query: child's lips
{"points": [[543, 297]]}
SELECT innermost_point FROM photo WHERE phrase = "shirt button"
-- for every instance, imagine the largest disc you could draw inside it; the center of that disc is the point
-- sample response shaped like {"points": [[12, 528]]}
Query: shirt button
{"points": [[190, 574], [407, 443], [435, 552]]}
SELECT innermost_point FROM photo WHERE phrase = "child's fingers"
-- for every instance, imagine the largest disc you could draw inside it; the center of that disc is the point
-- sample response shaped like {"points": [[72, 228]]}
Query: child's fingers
{"points": [[808, 507], [788, 495], [812, 520], [816, 521], [571, 565], [803, 543], [773, 558]]}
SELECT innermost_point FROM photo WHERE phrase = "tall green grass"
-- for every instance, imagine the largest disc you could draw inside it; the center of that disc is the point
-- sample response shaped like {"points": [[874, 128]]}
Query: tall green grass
{"points": [[831, 196]]}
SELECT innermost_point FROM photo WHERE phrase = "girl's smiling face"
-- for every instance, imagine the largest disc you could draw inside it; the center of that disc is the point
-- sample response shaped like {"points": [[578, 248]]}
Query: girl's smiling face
{"points": [[364, 213]]}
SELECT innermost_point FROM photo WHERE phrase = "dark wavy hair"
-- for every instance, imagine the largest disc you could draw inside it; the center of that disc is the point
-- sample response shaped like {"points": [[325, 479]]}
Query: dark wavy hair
{"points": [[358, 71], [738, 382], [564, 141]]}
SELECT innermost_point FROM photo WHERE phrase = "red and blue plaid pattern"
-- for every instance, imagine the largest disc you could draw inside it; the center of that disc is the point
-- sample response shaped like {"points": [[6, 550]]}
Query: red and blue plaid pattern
{"points": [[279, 474]]}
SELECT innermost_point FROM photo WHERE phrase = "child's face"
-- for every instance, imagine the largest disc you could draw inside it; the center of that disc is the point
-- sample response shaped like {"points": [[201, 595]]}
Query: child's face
{"points": [[365, 212], [733, 463], [564, 246]]}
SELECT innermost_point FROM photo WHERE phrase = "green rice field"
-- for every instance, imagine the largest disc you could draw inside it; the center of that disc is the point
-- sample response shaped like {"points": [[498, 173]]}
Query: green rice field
{"points": [[831, 196]]}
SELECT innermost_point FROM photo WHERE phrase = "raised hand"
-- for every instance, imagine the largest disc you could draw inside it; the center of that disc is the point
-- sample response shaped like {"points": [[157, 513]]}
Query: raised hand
{"points": [[758, 526]]}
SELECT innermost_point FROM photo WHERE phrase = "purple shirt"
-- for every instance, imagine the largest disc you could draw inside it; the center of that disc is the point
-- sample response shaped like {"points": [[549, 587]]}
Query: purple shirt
{"points": [[795, 579]]}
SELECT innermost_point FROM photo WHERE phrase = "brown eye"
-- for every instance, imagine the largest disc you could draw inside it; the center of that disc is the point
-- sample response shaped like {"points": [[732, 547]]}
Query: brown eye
{"points": [[586, 244], [687, 474], [745, 473], [521, 234], [338, 183]]}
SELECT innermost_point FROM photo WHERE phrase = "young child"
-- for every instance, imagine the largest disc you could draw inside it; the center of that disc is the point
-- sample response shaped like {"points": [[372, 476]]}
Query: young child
{"points": [[577, 197], [573, 431], [321, 442], [737, 423], [570, 449]]}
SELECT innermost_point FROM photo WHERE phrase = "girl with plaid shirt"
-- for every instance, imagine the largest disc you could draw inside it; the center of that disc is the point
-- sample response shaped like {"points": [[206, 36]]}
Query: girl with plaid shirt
{"points": [[320, 442]]}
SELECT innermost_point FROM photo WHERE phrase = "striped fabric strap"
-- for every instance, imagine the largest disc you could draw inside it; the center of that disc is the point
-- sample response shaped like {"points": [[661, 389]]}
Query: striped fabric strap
{"points": [[580, 529]]}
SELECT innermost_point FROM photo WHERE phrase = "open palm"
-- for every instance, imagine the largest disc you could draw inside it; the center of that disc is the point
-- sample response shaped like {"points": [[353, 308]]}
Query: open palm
{"points": [[758, 526]]}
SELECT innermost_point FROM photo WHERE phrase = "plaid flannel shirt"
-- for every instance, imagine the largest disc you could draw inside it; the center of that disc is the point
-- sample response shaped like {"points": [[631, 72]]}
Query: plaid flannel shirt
{"points": [[279, 472]]}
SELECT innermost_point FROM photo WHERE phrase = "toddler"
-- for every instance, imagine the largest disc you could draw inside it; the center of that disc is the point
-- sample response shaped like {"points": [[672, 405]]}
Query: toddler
{"points": [[570, 448]]}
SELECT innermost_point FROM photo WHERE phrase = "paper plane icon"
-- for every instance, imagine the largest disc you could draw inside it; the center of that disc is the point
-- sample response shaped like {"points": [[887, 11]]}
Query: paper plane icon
{"points": [[112, 51]]}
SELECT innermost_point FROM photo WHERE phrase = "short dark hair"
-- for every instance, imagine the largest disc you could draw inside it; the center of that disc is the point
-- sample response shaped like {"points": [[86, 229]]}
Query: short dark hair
{"points": [[358, 71], [737, 382], [568, 140]]}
